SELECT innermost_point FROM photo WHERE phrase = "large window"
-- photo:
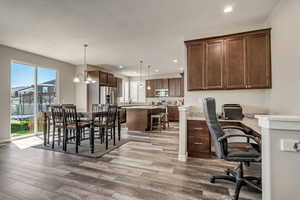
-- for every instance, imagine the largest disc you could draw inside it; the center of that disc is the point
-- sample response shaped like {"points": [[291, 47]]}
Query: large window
{"points": [[32, 88]]}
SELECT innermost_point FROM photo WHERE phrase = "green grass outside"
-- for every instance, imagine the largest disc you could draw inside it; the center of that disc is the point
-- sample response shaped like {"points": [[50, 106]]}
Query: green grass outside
{"points": [[20, 128], [21, 133]]}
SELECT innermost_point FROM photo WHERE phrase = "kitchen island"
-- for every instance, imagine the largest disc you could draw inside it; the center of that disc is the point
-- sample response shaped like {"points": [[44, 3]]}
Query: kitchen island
{"points": [[139, 117]]}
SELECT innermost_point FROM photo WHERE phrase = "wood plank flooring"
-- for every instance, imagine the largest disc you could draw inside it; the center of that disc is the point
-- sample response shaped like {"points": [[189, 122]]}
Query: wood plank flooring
{"points": [[145, 168]]}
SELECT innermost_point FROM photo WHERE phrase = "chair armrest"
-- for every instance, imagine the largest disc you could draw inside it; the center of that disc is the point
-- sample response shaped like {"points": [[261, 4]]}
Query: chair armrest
{"points": [[225, 137], [237, 128]]}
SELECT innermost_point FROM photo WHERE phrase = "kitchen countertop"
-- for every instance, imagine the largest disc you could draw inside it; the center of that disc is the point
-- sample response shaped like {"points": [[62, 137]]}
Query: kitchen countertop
{"points": [[144, 107]]}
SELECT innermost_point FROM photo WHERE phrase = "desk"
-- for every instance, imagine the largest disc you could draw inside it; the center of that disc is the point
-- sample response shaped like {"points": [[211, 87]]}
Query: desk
{"points": [[199, 139]]}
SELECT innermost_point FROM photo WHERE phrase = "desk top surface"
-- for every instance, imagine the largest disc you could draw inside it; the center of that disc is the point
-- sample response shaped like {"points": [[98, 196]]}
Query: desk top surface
{"points": [[249, 122]]}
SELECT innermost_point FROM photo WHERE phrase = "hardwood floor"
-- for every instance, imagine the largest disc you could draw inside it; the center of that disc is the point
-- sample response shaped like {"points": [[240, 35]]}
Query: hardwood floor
{"points": [[145, 168]]}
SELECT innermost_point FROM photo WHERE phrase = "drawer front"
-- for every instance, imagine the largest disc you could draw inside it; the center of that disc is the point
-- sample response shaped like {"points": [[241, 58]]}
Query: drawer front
{"points": [[198, 138], [197, 145], [197, 129]]}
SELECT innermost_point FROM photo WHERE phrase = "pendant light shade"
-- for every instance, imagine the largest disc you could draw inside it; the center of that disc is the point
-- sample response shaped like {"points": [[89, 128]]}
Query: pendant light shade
{"points": [[83, 77], [149, 87], [140, 82]]}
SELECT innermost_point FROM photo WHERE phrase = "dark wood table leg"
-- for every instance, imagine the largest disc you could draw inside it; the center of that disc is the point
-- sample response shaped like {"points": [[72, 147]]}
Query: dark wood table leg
{"points": [[119, 127], [92, 137], [45, 128]]}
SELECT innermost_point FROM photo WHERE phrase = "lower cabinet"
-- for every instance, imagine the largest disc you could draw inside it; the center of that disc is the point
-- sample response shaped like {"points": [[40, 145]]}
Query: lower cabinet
{"points": [[173, 113], [198, 138]]}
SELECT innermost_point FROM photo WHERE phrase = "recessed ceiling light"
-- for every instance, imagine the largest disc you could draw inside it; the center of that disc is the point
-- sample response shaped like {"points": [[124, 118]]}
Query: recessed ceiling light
{"points": [[121, 67], [228, 9], [156, 70], [175, 60]]}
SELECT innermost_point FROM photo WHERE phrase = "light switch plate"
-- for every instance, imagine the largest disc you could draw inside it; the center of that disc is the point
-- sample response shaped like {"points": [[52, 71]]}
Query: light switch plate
{"points": [[289, 145]]}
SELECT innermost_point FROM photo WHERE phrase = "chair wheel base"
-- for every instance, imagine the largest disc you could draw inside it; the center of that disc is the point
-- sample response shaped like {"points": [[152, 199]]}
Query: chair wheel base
{"points": [[212, 179]]}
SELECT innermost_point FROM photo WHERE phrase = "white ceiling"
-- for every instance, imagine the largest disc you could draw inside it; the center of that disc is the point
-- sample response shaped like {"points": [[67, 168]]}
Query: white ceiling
{"points": [[120, 32]]}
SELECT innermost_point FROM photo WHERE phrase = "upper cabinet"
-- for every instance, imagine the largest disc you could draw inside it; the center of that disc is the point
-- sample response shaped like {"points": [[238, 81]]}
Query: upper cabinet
{"points": [[258, 60], [196, 63], [237, 61], [103, 78], [110, 80], [174, 86], [150, 88], [213, 72]]}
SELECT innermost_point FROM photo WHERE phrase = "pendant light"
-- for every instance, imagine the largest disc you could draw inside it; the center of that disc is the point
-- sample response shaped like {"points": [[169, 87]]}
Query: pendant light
{"points": [[149, 87], [140, 82], [83, 77]]}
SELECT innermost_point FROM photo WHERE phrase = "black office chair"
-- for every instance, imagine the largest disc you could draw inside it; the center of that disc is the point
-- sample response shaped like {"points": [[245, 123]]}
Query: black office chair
{"points": [[245, 153]]}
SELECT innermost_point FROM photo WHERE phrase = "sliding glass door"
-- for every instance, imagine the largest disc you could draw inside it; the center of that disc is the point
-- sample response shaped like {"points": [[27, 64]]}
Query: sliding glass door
{"points": [[32, 88]]}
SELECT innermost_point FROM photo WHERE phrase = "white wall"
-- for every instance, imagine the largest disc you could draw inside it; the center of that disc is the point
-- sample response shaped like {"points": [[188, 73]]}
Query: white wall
{"points": [[252, 101], [66, 90], [137, 93], [285, 23], [81, 98]]}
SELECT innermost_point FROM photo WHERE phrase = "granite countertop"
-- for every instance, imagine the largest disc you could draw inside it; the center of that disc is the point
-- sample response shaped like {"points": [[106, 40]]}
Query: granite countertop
{"points": [[144, 107]]}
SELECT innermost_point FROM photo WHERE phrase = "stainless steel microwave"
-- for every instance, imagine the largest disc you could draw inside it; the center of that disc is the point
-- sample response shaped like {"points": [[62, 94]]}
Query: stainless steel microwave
{"points": [[161, 92]]}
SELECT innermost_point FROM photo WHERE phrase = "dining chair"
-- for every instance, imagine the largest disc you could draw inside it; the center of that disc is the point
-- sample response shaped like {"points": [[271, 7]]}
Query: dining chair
{"points": [[72, 124], [99, 120], [110, 123], [57, 123]]}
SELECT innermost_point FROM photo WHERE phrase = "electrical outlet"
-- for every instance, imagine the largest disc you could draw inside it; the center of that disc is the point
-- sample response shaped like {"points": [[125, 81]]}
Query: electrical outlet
{"points": [[290, 145]]}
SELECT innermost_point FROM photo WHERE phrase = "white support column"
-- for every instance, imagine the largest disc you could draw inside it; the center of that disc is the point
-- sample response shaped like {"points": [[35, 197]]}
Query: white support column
{"points": [[280, 157], [182, 152]]}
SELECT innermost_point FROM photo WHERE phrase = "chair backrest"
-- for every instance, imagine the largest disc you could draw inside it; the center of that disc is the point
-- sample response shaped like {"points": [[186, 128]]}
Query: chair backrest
{"points": [[209, 109], [97, 107], [57, 113], [70, 114], [111, 114]]}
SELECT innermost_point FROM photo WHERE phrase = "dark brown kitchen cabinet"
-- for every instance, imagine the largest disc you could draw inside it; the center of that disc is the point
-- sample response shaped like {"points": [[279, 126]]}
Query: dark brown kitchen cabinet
{"points": [[214, 65], [175, 85], [258, 60], [172, 88], [103, 78], [161, 83], [94, 75], [115, 82], [198, 138], [173, 113], [150, 92], [237, 61], [164, 84], [196, 64], [235, 65], [110, 80]]}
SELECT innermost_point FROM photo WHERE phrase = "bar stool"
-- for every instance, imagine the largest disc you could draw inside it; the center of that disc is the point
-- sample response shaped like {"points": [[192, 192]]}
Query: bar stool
{"points": [[161, 119]]}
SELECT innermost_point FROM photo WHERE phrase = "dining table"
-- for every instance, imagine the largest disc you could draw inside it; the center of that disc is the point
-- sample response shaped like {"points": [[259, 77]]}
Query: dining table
{"points": [[90, 116]]}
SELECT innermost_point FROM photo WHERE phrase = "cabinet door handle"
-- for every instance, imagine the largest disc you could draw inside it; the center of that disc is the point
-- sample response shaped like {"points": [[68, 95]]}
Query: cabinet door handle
{"points": [[198, 143], [198, 129]]}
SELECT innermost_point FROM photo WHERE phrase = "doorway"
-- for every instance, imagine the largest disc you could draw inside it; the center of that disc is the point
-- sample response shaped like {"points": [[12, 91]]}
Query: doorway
{"points": [[32, 88]]}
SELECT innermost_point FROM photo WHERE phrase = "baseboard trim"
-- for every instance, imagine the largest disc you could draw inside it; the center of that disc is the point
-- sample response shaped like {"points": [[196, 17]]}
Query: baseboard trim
{"points": [[183, 158], [5, 141]]}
